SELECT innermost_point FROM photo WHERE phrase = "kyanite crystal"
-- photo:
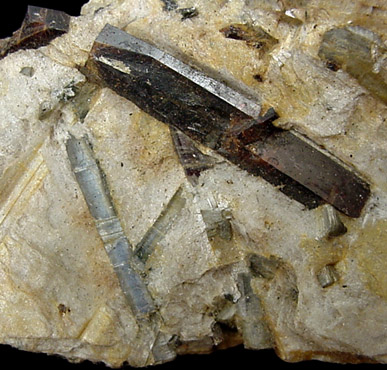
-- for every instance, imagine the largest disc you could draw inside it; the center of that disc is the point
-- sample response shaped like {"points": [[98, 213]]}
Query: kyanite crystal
{"points": [[97, 196]]}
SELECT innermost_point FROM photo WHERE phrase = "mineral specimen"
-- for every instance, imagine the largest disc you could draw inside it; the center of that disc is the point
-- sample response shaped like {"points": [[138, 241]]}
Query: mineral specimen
{"points": [[167, 188], [191, 158]]}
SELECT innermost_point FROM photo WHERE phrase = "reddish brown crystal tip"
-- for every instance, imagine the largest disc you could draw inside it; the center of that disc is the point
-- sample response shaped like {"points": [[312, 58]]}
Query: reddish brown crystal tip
{"points": [[40, 26]]}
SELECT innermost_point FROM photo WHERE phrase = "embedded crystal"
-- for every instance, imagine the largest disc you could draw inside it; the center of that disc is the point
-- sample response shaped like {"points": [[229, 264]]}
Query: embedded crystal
{"points": [[170, 91], [360, 53]]}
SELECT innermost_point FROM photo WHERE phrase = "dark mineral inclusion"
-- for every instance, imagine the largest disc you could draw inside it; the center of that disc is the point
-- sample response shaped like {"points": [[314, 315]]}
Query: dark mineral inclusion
{"points": [[39, 27], [220, 118]]}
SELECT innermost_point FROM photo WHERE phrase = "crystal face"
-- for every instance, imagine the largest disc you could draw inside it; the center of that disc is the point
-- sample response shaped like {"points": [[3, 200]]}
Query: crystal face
{"points": [[183, 177]]}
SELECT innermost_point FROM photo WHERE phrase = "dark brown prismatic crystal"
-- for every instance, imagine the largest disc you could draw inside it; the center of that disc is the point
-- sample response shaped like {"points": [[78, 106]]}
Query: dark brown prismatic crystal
{"points": [[164, 93], [315, 170], [40, 26], [191, 158], [222, 119]]}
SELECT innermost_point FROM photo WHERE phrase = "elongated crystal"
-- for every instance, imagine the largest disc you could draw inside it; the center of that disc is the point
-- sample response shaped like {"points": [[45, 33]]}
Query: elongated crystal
{"points": [[94, 188], [211, 113]]}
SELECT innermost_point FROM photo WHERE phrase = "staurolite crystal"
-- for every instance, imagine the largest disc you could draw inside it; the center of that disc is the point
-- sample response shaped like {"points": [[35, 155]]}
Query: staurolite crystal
{"points": [[40, 26], [195, 104], [176, 179]]}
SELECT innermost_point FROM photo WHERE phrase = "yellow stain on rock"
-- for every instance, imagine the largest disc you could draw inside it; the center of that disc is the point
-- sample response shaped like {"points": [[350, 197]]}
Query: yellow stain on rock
{"points": [[371, 252], [324, 252]]}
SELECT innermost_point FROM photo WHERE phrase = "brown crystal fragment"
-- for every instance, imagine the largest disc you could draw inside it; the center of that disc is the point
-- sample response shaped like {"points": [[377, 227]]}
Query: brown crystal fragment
{"points": [[254, 37], [191, 158], [169, 91], [40, 26]]}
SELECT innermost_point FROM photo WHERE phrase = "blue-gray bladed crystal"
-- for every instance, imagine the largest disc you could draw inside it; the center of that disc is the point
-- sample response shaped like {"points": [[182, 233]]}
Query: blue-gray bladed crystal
{"points": [[95, 190]]}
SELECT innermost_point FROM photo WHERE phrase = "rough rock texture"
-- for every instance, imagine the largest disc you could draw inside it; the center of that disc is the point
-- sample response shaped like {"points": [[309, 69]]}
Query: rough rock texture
{"points": [[237, 261]]}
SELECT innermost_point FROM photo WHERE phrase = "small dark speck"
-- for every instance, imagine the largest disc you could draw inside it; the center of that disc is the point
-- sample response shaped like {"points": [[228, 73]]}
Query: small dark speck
{"points": [[258, 77], [99, 10], [27, 71], [344, 286], [332, 66], [122, 165], [351, 155], [63, 310], [187, 13], [229, 297]]}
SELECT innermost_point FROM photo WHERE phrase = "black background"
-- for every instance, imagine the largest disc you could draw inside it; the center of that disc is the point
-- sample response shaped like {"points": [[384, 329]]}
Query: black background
{"points": [[237, 357]]}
